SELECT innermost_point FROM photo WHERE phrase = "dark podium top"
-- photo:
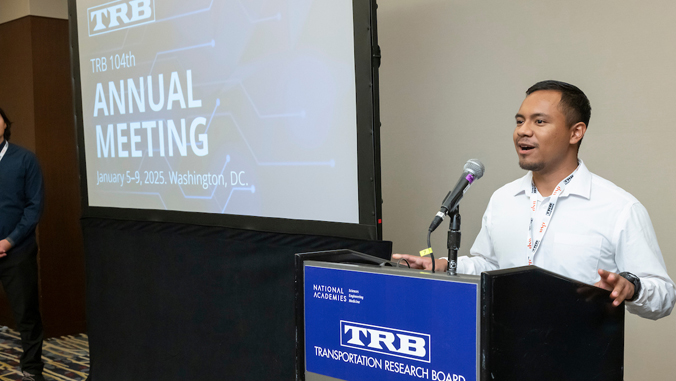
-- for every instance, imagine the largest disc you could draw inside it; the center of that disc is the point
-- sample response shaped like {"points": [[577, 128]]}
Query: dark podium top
{"points": [[538, 325]]}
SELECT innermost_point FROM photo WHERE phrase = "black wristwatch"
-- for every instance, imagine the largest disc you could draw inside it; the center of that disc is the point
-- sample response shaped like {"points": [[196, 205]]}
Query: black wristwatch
{"points": [[635, 281]]}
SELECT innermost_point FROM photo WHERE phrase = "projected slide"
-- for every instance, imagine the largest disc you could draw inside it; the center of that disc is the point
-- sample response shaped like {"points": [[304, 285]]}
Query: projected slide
{"points": [[242, 107]]}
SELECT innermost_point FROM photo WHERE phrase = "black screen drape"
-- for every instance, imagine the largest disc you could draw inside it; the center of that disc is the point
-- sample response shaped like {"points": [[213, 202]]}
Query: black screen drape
{"points": [[183, 302]]}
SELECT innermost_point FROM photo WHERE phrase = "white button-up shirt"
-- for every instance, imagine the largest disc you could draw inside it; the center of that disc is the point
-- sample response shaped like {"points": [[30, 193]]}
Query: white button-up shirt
{"points": [[595, 225]]}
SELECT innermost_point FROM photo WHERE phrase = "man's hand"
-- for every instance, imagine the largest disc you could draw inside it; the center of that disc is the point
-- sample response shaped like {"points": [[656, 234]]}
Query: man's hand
{"points": [[621, 289], [4, 247], [424, 263]]}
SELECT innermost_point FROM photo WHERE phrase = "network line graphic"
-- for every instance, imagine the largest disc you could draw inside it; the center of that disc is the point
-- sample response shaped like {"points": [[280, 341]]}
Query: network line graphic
{"points": [[212, 44], [300, 114], [174, 17], [249, 17]]}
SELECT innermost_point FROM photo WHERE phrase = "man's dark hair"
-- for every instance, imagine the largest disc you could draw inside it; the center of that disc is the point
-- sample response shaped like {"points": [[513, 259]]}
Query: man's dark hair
{"points": [[574, 104], [8, 132]]}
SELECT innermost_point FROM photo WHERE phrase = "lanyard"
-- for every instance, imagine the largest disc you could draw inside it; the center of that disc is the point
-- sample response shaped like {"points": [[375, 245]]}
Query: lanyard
{"points": [[542, 216], [4, 150]]}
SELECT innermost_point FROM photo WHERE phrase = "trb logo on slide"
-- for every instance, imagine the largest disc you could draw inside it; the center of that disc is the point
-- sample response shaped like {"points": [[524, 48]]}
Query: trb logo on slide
{"points": [[119, 14], [388, 341]]}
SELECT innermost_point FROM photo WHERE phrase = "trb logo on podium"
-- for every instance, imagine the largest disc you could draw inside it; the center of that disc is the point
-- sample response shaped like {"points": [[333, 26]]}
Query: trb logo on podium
{"points": [[384, 340], [119, 14]]}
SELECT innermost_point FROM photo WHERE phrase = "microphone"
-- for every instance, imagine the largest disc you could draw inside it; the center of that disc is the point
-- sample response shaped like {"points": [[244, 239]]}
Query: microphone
{"points": [[473, 170]]}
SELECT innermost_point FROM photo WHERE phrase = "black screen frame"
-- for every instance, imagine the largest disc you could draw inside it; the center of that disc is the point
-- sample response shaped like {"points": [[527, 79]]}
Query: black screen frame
{"points": [[367, 63]]}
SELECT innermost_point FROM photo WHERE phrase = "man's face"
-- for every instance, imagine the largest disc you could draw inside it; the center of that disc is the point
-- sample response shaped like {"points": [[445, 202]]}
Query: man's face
{"points": [[541, 137], [3, 126]]}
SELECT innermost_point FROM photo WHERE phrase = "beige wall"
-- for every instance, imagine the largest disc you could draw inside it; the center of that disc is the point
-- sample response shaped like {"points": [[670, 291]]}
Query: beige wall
{"points": [[50, 8], [15, 9], [454, 73]]}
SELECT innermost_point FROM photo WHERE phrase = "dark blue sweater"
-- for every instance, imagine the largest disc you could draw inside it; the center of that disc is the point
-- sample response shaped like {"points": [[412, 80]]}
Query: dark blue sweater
{"points": [[21, 195]]}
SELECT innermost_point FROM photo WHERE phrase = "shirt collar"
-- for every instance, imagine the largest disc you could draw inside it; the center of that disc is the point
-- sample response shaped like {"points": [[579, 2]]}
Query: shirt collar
{"points": [[581, 184], [525, 185], [2, 145]]}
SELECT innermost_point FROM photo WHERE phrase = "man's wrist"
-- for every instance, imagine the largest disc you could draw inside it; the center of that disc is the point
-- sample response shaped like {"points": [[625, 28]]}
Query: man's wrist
{"points": [[9, 240], [635, 281]]}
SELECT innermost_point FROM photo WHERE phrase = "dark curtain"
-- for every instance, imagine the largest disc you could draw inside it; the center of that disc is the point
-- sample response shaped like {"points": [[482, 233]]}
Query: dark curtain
{"points": [[184, 302]]}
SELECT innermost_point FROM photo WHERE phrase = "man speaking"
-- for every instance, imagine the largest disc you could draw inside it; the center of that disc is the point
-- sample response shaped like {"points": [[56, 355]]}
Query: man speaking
{"points": [[565, 219]]}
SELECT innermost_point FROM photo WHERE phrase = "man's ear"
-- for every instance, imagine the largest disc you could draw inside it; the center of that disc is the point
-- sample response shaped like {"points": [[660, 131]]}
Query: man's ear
{"points": [[577, 132]]}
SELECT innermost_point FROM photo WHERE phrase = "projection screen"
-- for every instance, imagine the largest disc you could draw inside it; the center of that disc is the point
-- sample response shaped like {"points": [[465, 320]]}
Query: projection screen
{"points": [[229, 108]]}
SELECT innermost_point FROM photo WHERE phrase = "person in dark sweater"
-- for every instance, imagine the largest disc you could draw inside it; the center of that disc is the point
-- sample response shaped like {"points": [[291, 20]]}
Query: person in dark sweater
{"points": [[21, 203]]}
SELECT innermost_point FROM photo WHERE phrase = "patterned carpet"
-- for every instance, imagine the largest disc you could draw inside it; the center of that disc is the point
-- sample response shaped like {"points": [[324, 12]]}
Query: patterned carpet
{"points": [[66, 358]]}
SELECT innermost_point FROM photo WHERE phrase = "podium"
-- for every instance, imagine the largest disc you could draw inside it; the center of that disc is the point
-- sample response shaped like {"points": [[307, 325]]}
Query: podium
{"points": [[360, 317]]}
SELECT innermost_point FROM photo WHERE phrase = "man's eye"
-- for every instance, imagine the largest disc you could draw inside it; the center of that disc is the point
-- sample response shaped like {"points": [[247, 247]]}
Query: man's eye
{"points": [[540, 121], [519, 122]]}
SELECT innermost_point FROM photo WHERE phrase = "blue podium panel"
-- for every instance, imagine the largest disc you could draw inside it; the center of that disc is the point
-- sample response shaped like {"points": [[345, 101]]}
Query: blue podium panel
{"points": [[390, 325]]}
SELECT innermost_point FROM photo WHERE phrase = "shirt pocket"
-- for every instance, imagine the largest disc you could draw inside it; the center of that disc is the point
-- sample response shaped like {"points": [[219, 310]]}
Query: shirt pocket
{"points": [[577, 255]]}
